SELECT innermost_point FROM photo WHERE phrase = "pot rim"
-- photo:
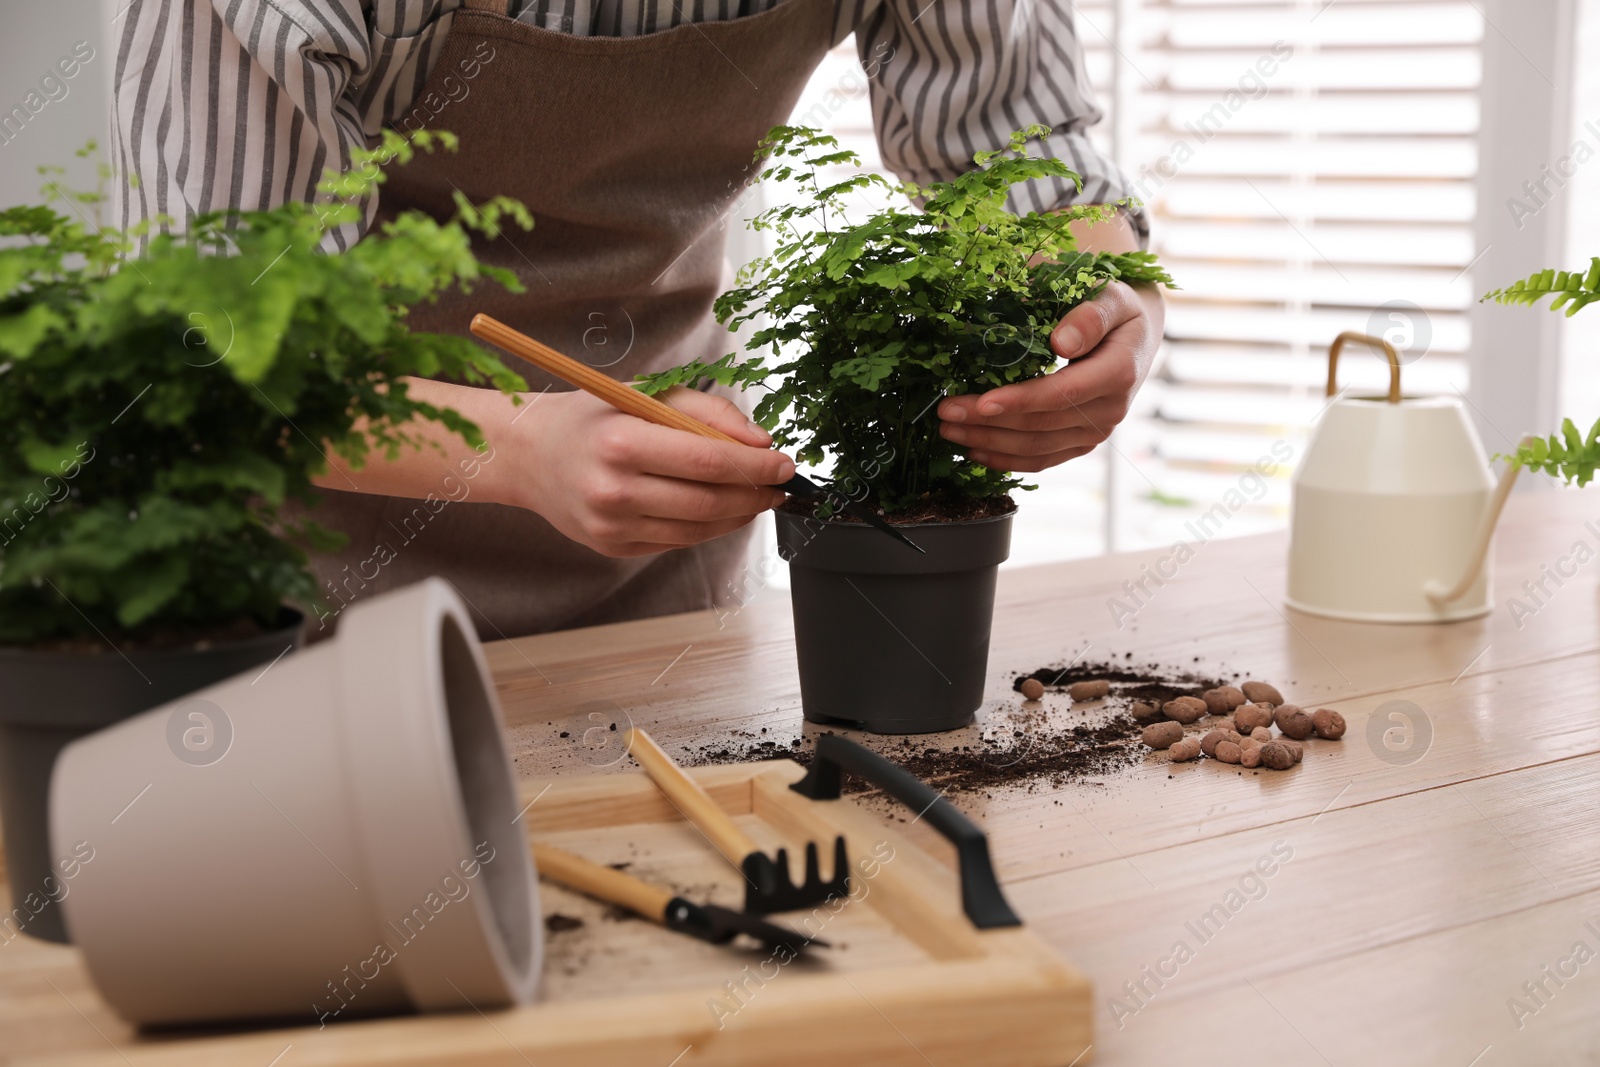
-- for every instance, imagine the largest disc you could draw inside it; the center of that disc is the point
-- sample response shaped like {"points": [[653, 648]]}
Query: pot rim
{"points": [[937, 524], [290, 619]]}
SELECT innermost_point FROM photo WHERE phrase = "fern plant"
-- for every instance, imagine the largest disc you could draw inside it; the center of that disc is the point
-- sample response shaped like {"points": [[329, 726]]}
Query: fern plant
{"points": [[1569, 455], [864, 326], [157, 413], [1572, 290]]}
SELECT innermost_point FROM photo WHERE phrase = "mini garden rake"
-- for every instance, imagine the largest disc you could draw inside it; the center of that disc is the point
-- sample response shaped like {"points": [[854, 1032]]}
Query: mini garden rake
{"points": [[768, 887]]}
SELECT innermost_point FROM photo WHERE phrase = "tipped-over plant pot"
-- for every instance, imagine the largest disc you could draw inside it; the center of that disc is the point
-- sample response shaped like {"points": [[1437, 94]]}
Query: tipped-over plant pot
{"points": [[48, 699], [891, 640], [355, 847]]}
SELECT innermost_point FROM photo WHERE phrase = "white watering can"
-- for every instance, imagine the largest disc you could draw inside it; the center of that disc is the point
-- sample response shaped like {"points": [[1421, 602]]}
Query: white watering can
{"points": [[1393, 507]]}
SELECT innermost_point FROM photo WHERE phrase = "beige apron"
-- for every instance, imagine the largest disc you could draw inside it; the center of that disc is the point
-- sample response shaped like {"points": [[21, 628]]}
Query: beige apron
{"points": [[632, 154]]}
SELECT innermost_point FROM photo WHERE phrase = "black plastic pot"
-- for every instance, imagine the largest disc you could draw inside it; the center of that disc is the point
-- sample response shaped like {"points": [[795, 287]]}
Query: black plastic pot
{"points": [[50, 699], [891, 640]]}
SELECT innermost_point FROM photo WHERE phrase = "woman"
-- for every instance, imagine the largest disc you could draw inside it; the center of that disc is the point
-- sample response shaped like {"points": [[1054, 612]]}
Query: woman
{"points": [[628, 127]]}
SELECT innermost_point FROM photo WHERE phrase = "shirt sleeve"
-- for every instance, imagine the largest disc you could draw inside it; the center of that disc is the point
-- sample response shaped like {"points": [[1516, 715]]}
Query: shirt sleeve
{"points": [[243, 104], [950, 78]]}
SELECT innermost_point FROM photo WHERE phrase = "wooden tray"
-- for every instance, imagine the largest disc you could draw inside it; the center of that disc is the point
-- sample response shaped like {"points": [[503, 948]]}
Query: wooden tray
{"points": [[909, 981]]}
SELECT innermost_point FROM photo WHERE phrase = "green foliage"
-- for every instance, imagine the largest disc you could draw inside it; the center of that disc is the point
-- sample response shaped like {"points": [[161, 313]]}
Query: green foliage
{"points": [[864, 327], [1569, 289], [1568, 455], [157, 413]]}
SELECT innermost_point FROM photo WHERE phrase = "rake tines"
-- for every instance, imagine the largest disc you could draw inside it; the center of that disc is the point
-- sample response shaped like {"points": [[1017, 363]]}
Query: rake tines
{"points": [[768, 888]]}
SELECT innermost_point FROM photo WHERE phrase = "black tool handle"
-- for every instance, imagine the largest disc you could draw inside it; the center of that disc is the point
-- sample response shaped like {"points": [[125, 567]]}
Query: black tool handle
{"points": [[981, 897]]}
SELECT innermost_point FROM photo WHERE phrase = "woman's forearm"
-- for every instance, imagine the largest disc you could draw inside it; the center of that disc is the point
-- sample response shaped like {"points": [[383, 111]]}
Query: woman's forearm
{"points": [[445, 465]]}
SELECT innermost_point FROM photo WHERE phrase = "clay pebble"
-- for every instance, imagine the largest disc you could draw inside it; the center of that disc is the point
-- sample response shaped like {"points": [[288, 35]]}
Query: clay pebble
{"points": [[1296, 749], [1328, 723], [1228, 752], [1261, 691], [1261, 734], [1032, 689], [1162, 734], [1144, 712], [1276, 756], [1250, 757], [1092, 690], [1223, 699], [1249, 716], [1294, 722], [1185, 750], [1184, 709], [1208, 743]]}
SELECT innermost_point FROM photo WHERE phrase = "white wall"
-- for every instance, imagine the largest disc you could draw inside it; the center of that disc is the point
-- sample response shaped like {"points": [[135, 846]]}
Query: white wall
{"points": [[34, 35], [1580, 368]]}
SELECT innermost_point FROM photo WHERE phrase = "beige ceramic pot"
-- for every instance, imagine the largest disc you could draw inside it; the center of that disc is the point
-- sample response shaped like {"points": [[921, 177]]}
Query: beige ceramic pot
{"points": [[335, 836]]}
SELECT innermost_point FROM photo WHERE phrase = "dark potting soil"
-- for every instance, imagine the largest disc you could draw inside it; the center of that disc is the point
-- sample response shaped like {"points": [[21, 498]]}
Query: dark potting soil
{"points": [[1127, 682], [158, 641], [558, 923], [1032, 746], [930, 509]]}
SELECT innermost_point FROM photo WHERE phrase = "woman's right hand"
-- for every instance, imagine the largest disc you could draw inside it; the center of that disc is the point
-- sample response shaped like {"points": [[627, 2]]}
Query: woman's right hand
{"points": [[626, 487]]}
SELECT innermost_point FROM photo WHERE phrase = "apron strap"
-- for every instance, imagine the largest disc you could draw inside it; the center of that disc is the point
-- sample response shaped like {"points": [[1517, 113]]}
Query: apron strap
{"points": [[493, 7]]}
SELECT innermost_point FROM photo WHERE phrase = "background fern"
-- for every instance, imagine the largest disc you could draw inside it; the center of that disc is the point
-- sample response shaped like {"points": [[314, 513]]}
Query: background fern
{"points": [[1569, 289], [1569, 455]]}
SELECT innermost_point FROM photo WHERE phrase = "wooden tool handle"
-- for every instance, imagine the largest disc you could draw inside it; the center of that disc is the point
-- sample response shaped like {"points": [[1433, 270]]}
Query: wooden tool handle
{"points": [[603, 883], [591, 381], [687, 796]]}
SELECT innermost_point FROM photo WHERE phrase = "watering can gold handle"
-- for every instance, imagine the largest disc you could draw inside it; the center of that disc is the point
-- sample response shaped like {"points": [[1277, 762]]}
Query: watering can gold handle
{"points": [[1373, 342], [1436, 591]]}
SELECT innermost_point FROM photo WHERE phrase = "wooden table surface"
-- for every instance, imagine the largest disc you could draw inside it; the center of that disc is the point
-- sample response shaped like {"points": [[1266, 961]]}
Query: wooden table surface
{"points": [[1427, 870], [1434, 895]]}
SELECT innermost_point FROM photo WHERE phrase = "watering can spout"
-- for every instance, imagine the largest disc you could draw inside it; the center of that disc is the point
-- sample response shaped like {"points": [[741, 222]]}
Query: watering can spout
{"points": [[1439, 593]]}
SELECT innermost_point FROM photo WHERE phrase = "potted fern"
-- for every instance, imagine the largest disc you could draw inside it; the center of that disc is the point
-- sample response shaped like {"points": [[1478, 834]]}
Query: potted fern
{"points": [[862, 327], [1570, 455], [156, 416]]}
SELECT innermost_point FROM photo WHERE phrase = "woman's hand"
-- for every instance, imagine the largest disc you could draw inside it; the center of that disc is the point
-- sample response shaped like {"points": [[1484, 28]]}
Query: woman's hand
{"points": [[1039, 423], [626, 487]]}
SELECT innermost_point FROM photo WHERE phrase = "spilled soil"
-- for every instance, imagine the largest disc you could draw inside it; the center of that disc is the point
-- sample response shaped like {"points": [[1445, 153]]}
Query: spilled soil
{"points": [[1031, 745]]}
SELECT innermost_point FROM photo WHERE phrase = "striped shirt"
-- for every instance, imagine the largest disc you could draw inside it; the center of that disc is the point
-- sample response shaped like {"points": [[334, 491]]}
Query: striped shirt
{"points": [[243, 103]]}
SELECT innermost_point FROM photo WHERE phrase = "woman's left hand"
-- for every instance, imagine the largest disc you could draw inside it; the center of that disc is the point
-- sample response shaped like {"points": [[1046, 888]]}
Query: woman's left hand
{"points": [[1039, 423]]}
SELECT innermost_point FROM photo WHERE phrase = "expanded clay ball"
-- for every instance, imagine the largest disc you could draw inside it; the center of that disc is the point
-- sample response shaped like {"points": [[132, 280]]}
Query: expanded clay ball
{"points": [[1296, 749], [1261, 734], [1032, 689], [1144, 711], [1250, 756], [1185, 750], [1208, 743], [1185, 709], [1223, 699], [1228, 752], [1276, 756], [1294, 722], [1328, 723], [1162, 734], [1249, 716], [1089, 690], [1259, 691]]}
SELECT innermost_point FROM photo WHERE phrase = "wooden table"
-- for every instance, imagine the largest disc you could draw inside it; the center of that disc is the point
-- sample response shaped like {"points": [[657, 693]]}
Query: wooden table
{"points": [[1422, 874]]}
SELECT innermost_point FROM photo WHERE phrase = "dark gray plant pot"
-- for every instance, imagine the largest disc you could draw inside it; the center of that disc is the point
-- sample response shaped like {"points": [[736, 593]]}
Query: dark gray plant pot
{"points": [[890, 640], [50, 699]]}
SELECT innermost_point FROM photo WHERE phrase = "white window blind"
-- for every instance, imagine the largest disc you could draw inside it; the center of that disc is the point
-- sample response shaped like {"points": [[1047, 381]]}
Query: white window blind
{"points": [[1309, 169]]}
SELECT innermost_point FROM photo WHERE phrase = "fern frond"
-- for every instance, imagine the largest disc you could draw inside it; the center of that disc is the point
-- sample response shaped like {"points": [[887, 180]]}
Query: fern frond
{"points": [[1567, 455], [1571, 290]]}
